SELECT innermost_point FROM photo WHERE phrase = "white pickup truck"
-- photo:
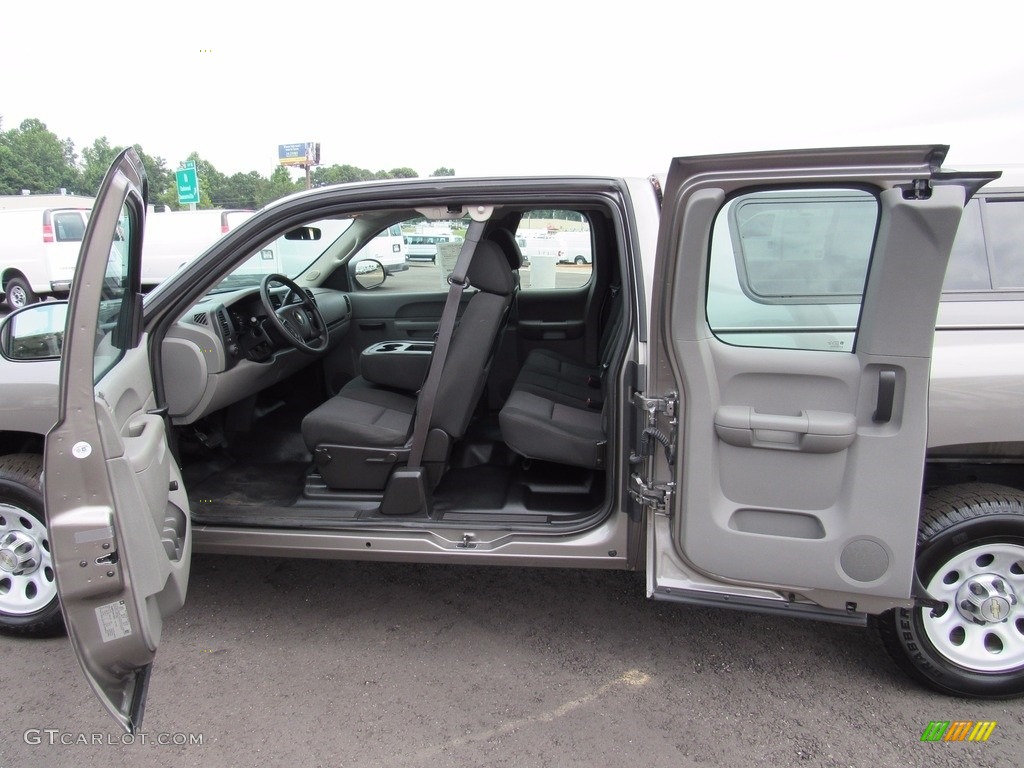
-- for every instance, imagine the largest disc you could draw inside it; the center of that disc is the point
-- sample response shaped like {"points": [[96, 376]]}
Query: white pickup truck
{"points": [[733, 397]]}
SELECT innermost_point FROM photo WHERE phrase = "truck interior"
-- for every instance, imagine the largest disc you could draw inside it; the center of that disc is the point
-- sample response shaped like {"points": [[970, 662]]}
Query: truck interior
{"points": [[526, 399]]}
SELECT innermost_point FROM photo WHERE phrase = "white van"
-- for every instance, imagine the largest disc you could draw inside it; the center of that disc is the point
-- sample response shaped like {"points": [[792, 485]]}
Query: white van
{"points": [[423, 246], [20, 202], [388, 248], [576, 248], [175, 238], [38, 252]]}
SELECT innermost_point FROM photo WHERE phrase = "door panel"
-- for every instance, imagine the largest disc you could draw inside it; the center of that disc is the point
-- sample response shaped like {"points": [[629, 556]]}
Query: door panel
{"points": [[116, 504], [802, 445]]}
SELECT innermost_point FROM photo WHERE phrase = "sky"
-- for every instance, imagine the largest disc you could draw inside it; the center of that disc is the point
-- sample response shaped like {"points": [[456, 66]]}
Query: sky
{"points": [[527, 87]]}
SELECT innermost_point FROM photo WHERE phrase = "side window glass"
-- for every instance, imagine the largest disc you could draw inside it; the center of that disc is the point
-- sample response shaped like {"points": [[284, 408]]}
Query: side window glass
{"points": [[417, 254], [558, 249], [114, 314], [968, 265], [788, 268], [1005, 230]]}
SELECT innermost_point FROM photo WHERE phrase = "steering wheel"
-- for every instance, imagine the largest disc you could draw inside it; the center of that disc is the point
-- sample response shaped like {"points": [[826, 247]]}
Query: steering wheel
{"points": [[301, 324]]}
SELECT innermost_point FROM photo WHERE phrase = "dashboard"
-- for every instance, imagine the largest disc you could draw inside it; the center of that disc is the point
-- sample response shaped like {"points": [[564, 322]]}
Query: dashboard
{"points": [[225, 349]]}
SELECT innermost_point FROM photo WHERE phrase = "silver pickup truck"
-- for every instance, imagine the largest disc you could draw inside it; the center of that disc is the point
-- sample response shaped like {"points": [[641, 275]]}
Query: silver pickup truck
{"points": [[743, 394]]}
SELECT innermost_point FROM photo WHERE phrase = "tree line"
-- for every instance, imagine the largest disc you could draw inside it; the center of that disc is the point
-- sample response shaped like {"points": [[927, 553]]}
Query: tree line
{"points": [[34, 158]]}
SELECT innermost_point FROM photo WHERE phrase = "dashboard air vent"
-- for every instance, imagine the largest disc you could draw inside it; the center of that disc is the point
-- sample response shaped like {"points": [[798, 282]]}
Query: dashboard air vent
{"points": [[225, 323]]}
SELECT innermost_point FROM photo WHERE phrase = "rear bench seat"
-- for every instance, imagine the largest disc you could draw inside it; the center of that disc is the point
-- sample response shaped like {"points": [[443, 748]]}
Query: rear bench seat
{"points": [[539, 427], [556, 409]]}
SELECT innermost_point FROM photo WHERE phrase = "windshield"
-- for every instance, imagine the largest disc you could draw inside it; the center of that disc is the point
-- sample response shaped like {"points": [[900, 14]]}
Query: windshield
{"points": [[289, 255]]}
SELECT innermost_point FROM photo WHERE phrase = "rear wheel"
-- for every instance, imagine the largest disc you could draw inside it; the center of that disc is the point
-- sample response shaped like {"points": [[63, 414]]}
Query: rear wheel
{"points": [[28, 591], [19, 293], [971, 557]]}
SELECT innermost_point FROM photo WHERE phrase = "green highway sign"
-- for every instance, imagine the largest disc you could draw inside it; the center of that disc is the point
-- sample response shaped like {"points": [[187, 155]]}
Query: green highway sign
{"points": [[188, 185]]}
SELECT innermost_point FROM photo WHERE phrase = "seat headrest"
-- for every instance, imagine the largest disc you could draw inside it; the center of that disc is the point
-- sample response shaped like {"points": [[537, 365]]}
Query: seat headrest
{"points": [[489, 270], [507, 242]]}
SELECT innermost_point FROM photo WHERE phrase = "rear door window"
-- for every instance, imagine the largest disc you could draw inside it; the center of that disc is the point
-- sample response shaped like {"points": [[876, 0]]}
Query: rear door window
{"points": [[788, 268]]}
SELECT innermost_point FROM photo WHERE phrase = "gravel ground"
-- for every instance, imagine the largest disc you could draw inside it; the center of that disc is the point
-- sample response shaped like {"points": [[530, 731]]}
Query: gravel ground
{"points": [[360, 664]]}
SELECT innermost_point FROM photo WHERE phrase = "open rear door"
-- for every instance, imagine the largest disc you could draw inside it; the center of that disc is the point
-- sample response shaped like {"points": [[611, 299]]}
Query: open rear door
{"points": [[791, 345], [117, 510]]}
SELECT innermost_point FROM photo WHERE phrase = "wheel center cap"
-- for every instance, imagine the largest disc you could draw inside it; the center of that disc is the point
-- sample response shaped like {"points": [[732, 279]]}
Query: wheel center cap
{"points": [[18, 554], [986, 598]]}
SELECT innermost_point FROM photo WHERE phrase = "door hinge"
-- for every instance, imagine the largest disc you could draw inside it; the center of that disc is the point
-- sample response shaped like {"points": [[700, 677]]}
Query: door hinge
{"points": [[648, 492], [655, 405], [657, 497]]}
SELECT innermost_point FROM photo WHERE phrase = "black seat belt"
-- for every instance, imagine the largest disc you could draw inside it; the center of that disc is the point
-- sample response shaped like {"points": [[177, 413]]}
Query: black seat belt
{"points": [[445, 329]]}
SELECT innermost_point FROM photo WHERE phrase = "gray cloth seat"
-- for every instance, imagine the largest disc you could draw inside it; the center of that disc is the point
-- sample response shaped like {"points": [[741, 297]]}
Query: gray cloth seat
{"points": [[556, 411], [565, 380], [563, 390], [361, 414], [540, 428], [362, 419]]}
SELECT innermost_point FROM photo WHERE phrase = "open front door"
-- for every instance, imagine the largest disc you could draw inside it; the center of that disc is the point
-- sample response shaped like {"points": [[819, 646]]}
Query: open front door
{"points": [[794, 325], [118, 514]]}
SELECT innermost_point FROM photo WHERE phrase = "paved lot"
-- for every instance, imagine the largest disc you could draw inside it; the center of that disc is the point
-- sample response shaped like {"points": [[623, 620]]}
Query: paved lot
{"points": [[309, 663]]}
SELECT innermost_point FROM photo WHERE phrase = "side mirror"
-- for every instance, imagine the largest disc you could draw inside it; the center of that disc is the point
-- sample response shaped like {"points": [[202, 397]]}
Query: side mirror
{"points": [[368, 273], [35, 332]]}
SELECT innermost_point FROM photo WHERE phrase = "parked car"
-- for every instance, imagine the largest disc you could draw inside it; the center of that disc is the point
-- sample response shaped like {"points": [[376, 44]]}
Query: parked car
{"points": [[626, 423], [38, 250]]}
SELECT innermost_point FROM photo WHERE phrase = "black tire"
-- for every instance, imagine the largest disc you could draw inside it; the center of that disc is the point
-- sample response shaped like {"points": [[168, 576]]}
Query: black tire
{"points": [[22, 515], [971, 554], [19, 294], [579, 260]]}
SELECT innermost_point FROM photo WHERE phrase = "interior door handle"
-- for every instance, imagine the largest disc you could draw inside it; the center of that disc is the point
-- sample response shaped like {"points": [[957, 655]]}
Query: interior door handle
{"points": [[810, 432], [886, 397]]}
